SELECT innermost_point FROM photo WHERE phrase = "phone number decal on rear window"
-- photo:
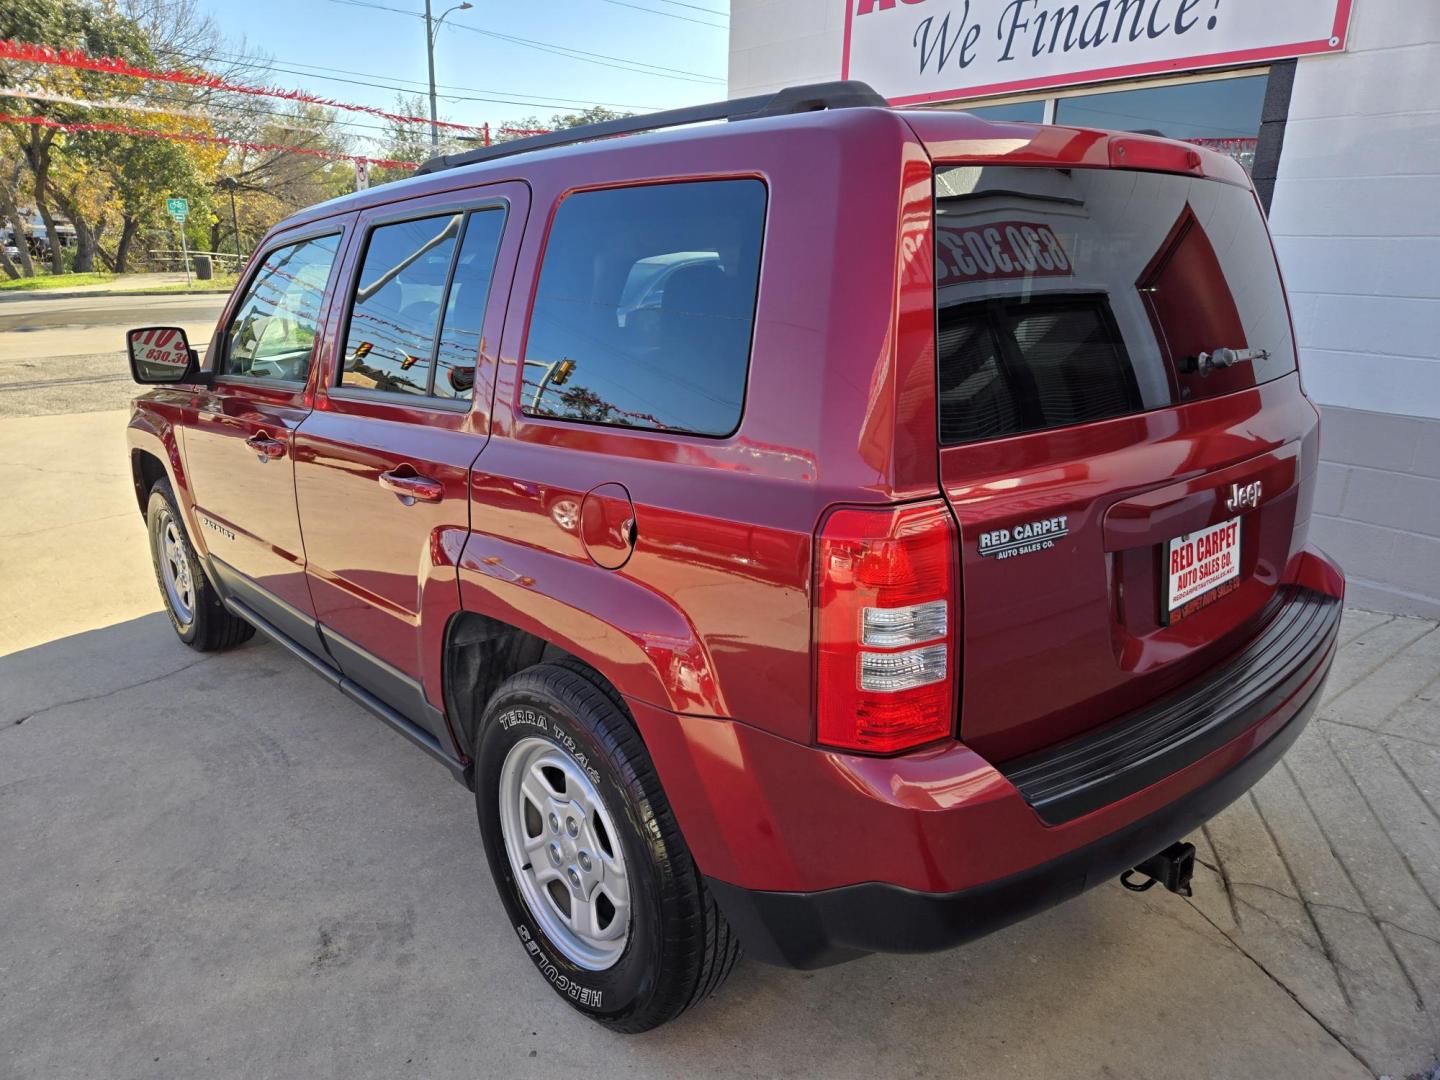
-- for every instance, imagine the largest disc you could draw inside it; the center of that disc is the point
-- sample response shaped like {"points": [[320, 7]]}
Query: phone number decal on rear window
{"points": [[1001, 249]]}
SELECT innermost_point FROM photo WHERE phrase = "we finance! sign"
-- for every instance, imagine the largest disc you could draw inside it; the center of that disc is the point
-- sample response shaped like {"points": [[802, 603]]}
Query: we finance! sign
{"points": [[929, 50]]}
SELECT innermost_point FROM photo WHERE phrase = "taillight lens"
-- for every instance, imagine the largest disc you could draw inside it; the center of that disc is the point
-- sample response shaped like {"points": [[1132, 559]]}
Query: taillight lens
{"points": [[886, 627]]}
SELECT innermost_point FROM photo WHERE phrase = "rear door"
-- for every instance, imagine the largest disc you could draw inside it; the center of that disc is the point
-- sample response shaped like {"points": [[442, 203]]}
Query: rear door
{"points": [[382, 464], [1115, 352]]}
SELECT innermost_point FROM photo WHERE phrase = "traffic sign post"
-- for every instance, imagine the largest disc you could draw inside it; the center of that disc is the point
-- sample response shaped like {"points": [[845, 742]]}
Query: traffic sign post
{"points": [[179, 209]]}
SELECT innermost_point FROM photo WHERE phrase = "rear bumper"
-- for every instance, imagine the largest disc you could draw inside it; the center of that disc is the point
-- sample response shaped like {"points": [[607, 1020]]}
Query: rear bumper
{"points": [[817, 929], [817, 857]]}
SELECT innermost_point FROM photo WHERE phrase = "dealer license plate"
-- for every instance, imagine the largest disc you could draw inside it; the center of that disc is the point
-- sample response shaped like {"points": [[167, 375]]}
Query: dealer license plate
{"points": [[1201, 567]]}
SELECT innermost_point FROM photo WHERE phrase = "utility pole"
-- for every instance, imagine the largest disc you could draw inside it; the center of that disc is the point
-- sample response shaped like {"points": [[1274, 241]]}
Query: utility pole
{"points": [[432, 27]]}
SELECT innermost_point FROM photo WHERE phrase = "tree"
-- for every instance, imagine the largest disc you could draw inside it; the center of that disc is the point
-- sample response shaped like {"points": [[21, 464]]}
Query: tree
{"points": [[271, 184], [406, 142], [141, 172], [99, 30], [11, 170], [594, 115]]}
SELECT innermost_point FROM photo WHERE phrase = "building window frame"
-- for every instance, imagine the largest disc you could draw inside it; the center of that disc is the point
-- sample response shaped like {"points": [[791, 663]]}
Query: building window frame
{"points": [[1270, 137]]}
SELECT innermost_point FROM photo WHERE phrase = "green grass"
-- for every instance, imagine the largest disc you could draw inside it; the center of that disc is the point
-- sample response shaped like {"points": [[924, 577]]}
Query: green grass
{"points": [[42, 281], [54, 281]]}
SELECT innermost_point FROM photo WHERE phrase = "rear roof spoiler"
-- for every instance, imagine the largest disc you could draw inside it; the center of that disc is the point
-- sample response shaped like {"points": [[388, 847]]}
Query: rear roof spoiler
{"points": [[813, 97]]}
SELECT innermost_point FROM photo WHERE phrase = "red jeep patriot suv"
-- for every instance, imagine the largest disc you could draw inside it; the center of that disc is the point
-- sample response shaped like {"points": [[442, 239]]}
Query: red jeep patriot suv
{"points": [[830, 529]]}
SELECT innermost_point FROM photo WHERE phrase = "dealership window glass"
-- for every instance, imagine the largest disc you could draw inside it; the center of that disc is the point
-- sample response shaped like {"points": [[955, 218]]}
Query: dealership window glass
{"points": [[1019, 112], [401, 286], [1066, 296], [644, 309], [272, 333], [459, 344], [1223, 114]]}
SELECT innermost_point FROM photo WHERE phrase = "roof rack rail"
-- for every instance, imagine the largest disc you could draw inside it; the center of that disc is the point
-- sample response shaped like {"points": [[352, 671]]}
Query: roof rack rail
{"points": [[793, 99]]}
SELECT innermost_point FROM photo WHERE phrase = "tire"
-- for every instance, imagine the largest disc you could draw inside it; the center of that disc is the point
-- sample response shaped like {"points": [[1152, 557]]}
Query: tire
{"points": [[196, 611], [677, 948]]}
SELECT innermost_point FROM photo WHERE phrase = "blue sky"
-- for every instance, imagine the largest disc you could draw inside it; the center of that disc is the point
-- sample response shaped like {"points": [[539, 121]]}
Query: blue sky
{"points": [[374, 41]]}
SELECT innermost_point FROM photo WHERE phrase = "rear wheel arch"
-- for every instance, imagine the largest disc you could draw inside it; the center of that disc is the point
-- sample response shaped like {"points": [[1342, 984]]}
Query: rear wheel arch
{"points": [[638, 638], [480, 653]]}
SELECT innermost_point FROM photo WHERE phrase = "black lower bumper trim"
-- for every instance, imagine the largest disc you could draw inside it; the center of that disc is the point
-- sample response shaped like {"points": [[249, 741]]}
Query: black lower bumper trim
{"points": [[1100, 767], [817, 929]]}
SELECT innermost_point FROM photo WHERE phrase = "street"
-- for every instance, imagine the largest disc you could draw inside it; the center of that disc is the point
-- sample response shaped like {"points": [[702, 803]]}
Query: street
{"points": [[216, 866], [66, 355]]}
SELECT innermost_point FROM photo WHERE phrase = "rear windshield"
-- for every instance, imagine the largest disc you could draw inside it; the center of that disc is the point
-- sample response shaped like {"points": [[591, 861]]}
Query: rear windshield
{"points": [[1071, 295]]}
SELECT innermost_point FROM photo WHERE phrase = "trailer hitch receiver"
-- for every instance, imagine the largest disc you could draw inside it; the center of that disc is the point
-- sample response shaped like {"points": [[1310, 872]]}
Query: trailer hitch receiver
{"points": [[1173, 868]]}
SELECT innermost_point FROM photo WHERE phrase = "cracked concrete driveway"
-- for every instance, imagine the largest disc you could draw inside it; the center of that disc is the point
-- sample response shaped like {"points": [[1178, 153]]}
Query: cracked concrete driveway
{"points": [[218, 867]]}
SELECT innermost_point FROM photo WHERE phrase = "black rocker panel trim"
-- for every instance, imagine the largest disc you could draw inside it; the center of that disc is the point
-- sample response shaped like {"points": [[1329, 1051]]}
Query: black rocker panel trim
{"points": [[288, 619], [387, 682]]}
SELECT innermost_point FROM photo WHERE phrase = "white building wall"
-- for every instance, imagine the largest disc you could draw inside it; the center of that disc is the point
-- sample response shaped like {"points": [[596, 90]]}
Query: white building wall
{"points": [[776, 43], [1356, 212], [1356, 217]]}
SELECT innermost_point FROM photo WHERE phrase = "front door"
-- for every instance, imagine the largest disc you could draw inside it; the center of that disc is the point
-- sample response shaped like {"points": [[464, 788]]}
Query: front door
{"points": [[239, 444], [382, 464]]}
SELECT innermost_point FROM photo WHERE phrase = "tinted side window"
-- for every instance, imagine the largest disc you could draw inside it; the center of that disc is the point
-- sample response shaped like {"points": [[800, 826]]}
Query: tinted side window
{"points": [[272, 332], [391, 337], [465, 306], [645, 307]]}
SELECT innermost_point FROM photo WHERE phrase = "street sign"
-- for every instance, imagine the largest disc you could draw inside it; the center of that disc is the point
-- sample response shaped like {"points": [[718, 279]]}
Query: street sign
{"points": [[179, 209]]}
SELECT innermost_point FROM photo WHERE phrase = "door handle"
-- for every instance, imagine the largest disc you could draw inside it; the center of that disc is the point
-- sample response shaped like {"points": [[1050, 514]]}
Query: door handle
{"points": [[409, 487], [265, 447]]}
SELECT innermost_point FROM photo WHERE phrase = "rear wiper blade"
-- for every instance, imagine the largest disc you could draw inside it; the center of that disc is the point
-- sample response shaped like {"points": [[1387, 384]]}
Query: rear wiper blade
{"points": [[1224, 358]]}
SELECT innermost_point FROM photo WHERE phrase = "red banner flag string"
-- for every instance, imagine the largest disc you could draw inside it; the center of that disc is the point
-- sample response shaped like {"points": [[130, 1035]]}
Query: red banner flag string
{"points": [[29, 53], [195, 137]]}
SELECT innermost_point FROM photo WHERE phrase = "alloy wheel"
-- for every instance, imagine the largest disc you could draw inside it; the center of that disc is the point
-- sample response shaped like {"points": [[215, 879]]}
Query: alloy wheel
{"points": [[174, 562], [565, 853]]}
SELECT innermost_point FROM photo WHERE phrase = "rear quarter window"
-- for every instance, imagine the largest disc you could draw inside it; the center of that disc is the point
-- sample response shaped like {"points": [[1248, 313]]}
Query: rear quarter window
{"points": [[1065, 296], [645, 307]]}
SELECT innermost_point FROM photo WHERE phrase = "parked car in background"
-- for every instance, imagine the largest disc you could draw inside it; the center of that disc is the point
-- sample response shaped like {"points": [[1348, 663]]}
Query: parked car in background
{"points": [[837, 530]]}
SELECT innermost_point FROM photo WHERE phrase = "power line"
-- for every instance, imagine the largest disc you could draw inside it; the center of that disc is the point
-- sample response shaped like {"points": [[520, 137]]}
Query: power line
{"points": [[541, 101], [619, 62], [697, 7], [668, 14], [405, 90], [589, 57]]}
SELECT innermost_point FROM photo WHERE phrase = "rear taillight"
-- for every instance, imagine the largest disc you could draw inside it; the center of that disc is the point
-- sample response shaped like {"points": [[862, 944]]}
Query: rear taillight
{"points": [[886, 628]]}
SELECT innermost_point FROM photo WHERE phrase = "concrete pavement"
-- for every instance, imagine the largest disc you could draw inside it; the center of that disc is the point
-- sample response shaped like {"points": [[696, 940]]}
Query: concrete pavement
{"points": [[72, 544], [216, 866], [220, 868]]}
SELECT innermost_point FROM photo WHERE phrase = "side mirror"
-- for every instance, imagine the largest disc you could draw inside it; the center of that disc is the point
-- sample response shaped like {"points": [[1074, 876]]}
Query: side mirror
{"points": [[160, 354]]}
